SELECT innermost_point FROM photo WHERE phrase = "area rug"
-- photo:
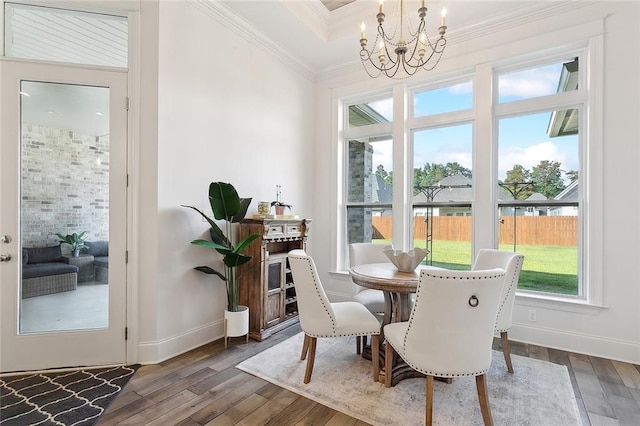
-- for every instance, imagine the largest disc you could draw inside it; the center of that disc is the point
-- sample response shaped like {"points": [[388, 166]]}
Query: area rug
{"points": [[538, 393], [67, 398]]}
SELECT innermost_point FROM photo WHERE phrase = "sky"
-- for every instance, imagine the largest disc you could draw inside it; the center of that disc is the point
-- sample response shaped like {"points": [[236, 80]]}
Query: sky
{"points": [[522, 140]]}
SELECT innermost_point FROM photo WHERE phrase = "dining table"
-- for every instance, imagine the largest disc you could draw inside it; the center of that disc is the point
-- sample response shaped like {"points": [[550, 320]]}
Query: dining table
{"points": [[398, 288]]}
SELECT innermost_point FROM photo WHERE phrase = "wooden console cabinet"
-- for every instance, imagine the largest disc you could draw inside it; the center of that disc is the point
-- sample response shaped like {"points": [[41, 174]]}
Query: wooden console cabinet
{"points": [[266, 283]]}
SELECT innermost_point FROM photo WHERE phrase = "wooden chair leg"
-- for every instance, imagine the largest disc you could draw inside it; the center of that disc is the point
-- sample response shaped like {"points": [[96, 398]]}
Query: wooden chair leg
{"points": [[429, 407], [483, 397], [305, 347], [375, 356], [506, 349], [388, 364], [312, 358], [358, 345]]}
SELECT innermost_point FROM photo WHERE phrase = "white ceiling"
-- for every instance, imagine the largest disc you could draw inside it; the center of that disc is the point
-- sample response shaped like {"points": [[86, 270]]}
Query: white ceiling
{"points": [[322, 40], [307, 31]]}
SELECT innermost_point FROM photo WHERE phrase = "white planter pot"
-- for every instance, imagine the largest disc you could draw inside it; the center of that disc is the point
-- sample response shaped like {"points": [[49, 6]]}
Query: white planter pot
{"points": [[236, 323]]}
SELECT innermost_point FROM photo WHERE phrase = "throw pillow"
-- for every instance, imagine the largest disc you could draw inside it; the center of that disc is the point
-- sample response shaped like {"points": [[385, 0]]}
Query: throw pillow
{"points": [[97, 248], [44, 254]]}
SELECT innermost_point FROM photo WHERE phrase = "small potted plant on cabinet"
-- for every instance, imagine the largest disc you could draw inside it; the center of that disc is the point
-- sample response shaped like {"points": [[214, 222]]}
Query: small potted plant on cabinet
{"points": [[278, 204], [228, 206]]}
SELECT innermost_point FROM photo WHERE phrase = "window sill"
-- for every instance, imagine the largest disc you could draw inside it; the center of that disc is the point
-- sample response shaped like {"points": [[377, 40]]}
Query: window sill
{"points": [[558, 303], [533, 300]]}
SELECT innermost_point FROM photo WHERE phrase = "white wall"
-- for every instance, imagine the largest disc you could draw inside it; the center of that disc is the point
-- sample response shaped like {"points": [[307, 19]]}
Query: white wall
{"points": [[226, 111], [612, 332]]}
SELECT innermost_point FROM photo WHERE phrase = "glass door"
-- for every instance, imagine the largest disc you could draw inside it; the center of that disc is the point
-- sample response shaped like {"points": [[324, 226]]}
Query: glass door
{"points": [[63, 215]]}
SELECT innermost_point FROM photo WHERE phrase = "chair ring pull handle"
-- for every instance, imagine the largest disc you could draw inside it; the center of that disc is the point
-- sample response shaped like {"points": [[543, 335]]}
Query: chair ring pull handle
{"points": [[473, 301]]}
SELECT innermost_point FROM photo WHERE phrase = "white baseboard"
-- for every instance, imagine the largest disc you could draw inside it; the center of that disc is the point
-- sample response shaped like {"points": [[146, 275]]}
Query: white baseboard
{"points": [[161, 350], [603, 347]]}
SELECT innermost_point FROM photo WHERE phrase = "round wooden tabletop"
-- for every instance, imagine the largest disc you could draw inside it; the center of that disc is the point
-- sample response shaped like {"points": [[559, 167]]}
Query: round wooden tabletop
{"points": [[386, 277]]}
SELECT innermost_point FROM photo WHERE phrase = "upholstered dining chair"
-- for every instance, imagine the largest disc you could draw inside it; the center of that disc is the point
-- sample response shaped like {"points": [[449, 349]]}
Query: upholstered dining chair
{"points": [[321, 318], [512, 263], [360, 254], [450, 330], [373, 300]]}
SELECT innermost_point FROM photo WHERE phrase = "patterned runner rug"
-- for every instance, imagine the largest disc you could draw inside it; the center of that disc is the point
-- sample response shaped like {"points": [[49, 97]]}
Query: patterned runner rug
{"points": [[66, 398], [538, 393]]}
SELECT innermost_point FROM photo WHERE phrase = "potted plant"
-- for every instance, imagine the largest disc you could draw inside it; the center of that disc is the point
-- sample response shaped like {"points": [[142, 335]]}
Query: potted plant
{"points": [[278, 204], [75, 241], [228, 206]]}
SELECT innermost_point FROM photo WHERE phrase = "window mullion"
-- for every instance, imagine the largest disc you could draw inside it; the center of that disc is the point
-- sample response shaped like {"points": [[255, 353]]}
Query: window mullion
{"points": [[484, 162]]}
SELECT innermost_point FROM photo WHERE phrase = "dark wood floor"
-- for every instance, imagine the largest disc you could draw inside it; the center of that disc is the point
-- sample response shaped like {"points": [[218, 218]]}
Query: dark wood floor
{"points": [[203, 387]]}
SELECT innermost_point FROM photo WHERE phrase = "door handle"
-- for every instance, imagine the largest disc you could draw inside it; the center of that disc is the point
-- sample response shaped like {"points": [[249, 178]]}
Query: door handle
{"points": [[5, 257]]}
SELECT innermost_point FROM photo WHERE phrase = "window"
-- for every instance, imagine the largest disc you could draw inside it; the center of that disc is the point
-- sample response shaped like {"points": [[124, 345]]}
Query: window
{"points": [[524, 194], [442, 194], [369, 170], [446, 99], [538, 177], [60, 35]]}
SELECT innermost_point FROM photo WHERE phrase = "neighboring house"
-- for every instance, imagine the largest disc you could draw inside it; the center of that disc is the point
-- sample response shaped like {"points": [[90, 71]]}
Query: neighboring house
{"points": [[451, 189], [570, 193], [534, 210]]}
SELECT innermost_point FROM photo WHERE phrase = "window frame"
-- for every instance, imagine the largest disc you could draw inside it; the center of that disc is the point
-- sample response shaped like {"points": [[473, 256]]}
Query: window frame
{"points": [[484, 118]]}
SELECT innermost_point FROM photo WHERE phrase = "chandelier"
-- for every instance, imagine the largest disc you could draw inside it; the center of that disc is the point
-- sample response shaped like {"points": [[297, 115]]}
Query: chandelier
{"points": [[411, 51]]}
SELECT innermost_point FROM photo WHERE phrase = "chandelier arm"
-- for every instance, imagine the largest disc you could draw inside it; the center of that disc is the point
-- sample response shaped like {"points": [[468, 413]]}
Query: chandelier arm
{"points": [[389, 56]]}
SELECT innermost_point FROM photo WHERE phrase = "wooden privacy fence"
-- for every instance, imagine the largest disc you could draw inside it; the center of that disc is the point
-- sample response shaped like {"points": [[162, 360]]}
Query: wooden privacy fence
{"points": [[534, 230]]}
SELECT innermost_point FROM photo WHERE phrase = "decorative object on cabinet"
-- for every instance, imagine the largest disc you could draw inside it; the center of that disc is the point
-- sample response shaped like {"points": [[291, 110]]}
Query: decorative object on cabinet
{"points": [[279, 204], [266, 282], [228, 206], [75, 241]]}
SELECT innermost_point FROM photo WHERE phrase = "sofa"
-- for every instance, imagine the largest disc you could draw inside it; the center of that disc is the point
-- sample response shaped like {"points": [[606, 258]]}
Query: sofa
{"points": [[45, 272], [100, 252]]}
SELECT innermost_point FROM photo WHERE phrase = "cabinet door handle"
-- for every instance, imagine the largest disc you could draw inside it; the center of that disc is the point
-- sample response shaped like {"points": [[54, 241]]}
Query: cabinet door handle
{"points": [[5, 257]]}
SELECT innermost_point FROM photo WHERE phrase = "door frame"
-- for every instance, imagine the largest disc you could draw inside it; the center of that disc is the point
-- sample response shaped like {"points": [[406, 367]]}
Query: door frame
{"points": [[33, 343]]}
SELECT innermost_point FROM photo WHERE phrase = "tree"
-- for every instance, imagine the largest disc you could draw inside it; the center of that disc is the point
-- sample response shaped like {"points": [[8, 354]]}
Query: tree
{"points": [[432, 173], [516, 181], [547, 178], [386, 176], [572, 175]]}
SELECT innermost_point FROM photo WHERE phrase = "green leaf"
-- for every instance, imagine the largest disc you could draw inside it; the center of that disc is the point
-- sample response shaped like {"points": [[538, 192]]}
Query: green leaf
{"points": [[236, 259], [245, 242], [224, 200], [211, 271], [242, 212], [210, 244], [221, 239]]}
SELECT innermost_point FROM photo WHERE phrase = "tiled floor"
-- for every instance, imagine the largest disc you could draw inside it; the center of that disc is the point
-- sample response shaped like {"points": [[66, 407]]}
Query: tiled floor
{"points": [[86, 307]]}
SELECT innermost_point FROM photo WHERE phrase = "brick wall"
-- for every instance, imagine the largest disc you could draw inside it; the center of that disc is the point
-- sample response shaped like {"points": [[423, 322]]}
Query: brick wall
{"points": [[65, 185], [360, 182]]}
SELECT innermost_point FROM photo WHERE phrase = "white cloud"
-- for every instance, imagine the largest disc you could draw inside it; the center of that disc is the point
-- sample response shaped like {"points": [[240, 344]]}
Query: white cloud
{"points": [[443, 157], [383, 154], [531, 156], [529, 83], [462, 88], [383, 107]]}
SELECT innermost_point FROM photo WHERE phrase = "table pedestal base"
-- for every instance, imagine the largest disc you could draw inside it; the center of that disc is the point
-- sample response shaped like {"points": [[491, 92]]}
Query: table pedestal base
{"points": [[400, 370]]}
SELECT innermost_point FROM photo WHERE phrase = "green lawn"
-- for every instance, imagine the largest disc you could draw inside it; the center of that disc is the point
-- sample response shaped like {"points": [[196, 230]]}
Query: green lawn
{"points": [[546, 268]]}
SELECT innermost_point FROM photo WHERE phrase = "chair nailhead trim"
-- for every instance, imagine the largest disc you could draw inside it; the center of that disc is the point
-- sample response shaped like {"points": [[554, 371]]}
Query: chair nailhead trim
{"points": [[333, 322]]}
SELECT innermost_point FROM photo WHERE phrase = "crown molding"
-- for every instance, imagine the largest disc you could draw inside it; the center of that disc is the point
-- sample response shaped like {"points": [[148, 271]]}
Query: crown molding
{"points": [[224, 16], [515, 19], [498, 23], [313, 15]]}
